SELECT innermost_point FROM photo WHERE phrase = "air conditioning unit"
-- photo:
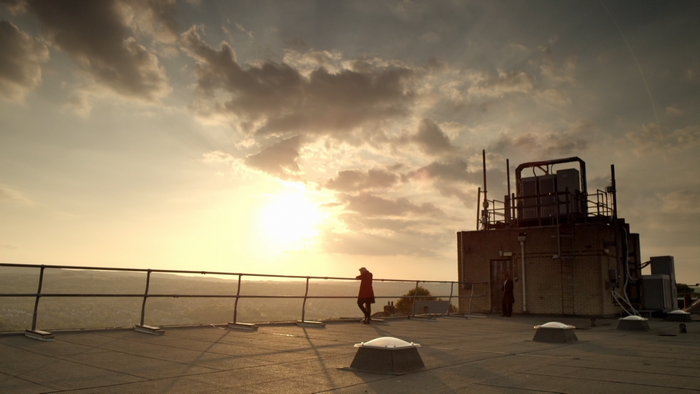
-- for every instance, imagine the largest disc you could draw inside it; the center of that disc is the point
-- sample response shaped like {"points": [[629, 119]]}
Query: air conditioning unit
{"points": [[657, 294]]}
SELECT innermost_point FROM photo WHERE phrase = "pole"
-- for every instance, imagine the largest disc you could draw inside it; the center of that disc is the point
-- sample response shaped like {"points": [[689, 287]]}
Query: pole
{"points": [[235, 305], [522, 264], [145, 297], [303, 306], [38, 296]]}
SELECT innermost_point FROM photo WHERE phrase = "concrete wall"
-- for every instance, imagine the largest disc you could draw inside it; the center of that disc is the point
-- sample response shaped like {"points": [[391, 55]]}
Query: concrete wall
{"points": [[572, 285]]}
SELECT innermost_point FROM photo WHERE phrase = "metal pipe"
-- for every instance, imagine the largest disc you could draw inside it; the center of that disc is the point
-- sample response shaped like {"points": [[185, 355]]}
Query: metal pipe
{"points": [[522, 256], [470, 299], [88, 268], [235, 305], [38, 296], [483, 157], [508, 201], [614, 190], [145, 297], [146, 294], [485, 212], [582, 166], [478, 207], [413, 301], [449, 301], [303, 305], [85, 295]]}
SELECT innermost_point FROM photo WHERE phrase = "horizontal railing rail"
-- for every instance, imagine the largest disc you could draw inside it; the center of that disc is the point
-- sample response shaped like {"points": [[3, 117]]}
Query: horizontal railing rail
{"points": [[39, 294]]}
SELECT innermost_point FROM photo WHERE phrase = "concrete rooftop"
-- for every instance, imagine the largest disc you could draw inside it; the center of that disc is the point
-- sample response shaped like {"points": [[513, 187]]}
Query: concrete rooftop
{"points": [[480, 355]]}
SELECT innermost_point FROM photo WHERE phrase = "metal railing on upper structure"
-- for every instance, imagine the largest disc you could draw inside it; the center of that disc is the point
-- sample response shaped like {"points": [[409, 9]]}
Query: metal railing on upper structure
{"points": [[39, 294], [541, 209]]}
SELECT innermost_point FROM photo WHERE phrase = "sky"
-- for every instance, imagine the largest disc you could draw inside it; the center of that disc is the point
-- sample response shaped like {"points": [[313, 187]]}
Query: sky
{"points": [[316, 137]]}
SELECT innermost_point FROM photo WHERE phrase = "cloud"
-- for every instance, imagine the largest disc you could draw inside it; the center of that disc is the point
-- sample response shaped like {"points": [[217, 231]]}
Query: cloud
{"points": [[95, 34], [368, 204], [465, 197], [282, 100], [651, 137], [431, 139], [279, 160], [573, 139], [15, 6], [552, 98], [682, 202], [451, 169], [556, 73], [365, 244], [20, 69], [156, 18], [356, 181], [383, 226], [11, 196], [674, 111], [505, 83]]}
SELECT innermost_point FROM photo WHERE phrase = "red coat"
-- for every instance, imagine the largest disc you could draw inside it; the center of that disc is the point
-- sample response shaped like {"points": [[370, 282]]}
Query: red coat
{"points": [[366, 291]]}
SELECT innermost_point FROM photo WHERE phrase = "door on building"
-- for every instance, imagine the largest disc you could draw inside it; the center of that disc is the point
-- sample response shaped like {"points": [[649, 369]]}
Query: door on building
{"points": [[498, 267]]}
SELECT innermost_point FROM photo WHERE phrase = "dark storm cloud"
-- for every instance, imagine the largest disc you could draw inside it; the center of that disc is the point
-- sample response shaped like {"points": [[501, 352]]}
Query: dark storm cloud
{"points": [[431, 139], [355, 180], [20, 58], [279, 160], [96, 36], [285, 101]]}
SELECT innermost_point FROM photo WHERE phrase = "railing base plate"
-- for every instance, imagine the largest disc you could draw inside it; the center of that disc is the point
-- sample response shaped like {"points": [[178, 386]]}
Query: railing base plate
{"points": [[39, 335], [375, 321], [243, 326], [309, 323], [423, 318], [149, 330]]}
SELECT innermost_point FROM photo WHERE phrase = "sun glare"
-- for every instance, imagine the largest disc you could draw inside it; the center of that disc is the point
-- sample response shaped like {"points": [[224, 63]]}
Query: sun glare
{"points": [[290, 220]]}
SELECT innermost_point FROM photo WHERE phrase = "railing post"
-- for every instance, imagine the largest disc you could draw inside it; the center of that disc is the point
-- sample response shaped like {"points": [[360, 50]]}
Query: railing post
{"points": [[38, 296], [413, 301], [303, 306], [471, 296], [235, 305], [145, 297], [449, 302]]}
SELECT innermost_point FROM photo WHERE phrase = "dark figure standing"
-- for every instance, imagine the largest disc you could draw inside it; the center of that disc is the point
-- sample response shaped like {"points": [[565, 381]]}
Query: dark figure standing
{"points": [[366, 297], [507, 298]]}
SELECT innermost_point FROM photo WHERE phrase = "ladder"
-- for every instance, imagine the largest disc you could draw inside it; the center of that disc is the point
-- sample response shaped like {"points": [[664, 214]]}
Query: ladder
{"points": [[566, 254]]}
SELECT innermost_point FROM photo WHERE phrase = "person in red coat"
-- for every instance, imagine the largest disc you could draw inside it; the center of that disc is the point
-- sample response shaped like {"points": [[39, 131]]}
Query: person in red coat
{"points": [[366, 297], [507, 297]]}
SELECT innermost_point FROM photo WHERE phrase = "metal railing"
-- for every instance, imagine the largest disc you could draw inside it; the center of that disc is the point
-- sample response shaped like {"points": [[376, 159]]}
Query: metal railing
{"points": [[512, 211], [146, 294]]}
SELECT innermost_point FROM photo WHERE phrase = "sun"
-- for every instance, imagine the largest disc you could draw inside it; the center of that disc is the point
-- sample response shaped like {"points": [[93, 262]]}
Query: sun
{"points": [[290, 220]]}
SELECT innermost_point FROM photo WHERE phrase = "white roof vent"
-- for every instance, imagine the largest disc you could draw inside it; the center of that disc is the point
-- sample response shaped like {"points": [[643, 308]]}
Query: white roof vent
{"points": [[555, 324], [387, 342], [633, 318]]}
